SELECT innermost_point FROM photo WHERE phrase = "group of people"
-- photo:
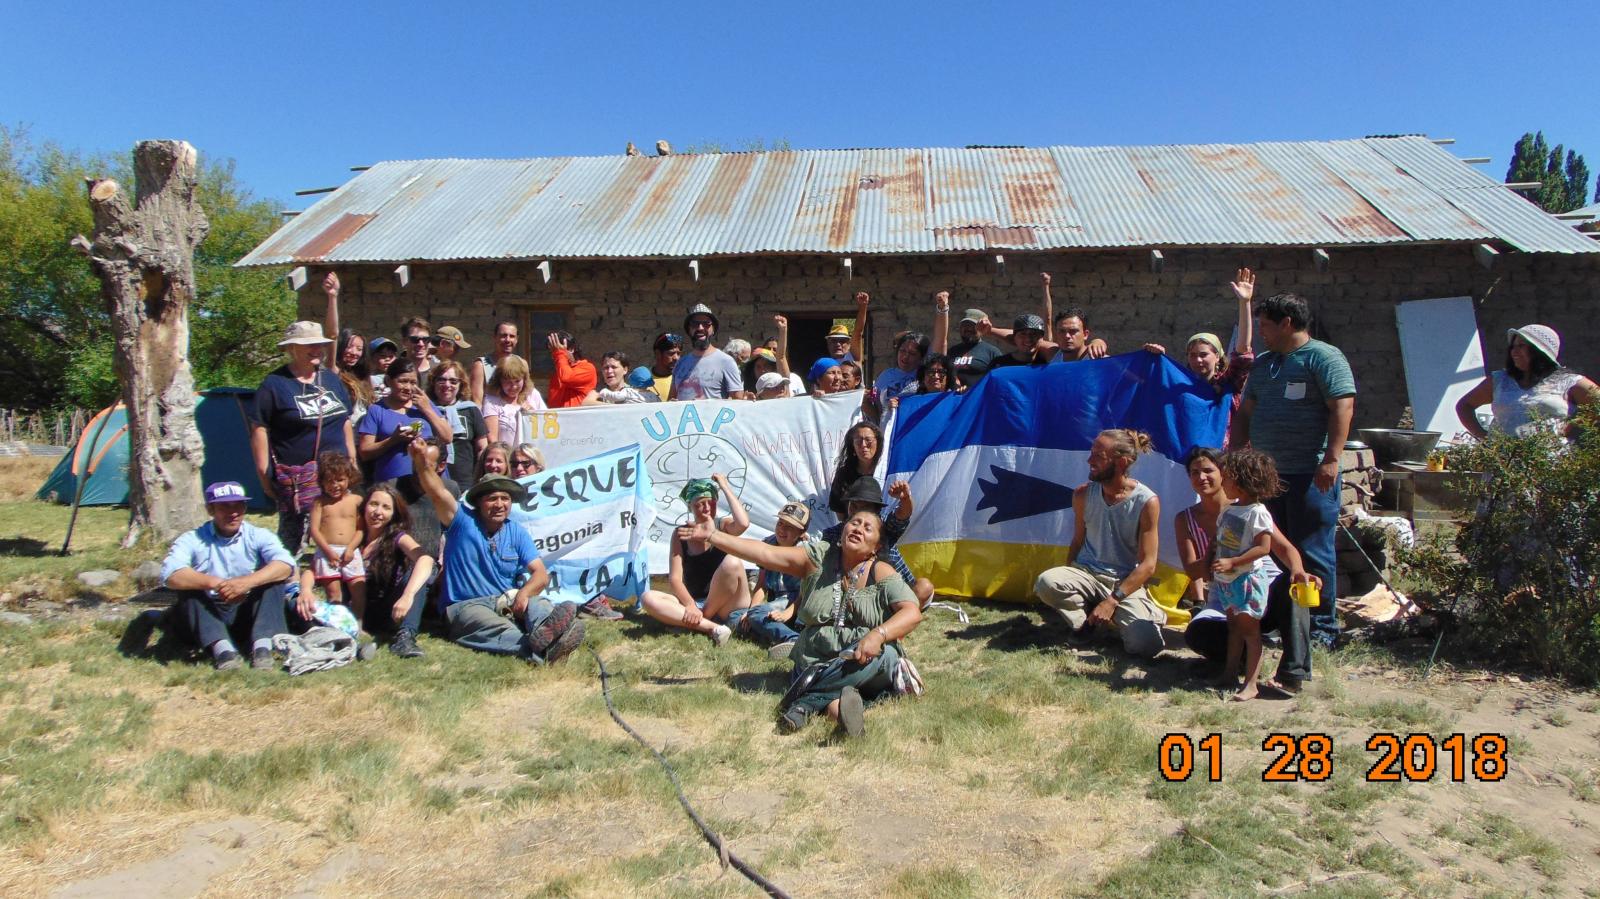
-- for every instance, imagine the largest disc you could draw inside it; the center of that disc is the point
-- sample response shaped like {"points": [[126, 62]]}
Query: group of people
{"points": [[441, 440]]}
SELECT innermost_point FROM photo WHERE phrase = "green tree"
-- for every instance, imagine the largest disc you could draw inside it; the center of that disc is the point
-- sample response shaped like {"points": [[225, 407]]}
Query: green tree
{"points": [[57, 335], [1562, 173]]}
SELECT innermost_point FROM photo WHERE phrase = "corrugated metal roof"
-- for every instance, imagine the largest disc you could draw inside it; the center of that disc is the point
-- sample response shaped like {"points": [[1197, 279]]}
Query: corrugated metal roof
{"points": [[938, 200]]}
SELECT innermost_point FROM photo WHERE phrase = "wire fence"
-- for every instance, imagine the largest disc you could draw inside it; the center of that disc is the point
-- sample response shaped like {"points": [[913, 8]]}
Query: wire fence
{"points": [[51, 428]]}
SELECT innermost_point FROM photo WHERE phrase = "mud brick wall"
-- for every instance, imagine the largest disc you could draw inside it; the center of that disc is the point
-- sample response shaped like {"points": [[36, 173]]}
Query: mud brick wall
{"points": [[622, 304]]}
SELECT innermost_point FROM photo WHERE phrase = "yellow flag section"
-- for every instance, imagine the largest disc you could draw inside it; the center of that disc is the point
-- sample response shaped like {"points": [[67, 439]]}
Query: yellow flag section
{"points": [[986, 569], [993, 470]]}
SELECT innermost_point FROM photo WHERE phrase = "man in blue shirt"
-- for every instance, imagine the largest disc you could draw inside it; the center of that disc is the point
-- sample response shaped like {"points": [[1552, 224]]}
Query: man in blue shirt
{"points": [[487, 552], [228, 576]]}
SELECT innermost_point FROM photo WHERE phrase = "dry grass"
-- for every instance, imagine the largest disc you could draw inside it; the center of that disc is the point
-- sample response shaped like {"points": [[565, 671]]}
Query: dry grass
{"points": [[1027, 770], [20, 476]]}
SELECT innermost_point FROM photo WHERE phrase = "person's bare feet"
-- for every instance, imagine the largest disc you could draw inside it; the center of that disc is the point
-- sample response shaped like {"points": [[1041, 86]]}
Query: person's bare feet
{"points": [[1246, 693]]}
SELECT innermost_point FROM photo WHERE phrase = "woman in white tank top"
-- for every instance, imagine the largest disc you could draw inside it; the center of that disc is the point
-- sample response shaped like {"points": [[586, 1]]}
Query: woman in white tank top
{"points": [[1533, 393]]}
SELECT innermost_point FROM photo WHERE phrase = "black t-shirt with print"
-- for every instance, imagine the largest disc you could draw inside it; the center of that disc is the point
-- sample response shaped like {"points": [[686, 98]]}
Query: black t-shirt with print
{"points": [[972, 360], [289, 410]]}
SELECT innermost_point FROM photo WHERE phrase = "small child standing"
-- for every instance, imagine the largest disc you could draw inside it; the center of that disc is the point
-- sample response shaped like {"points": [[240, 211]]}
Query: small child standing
{"points": [[1243, 569], [337, 531]]}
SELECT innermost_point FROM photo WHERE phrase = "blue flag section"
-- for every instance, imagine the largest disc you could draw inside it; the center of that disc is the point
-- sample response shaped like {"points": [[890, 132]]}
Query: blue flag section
{"points": [[591, 519], [993, 469]]}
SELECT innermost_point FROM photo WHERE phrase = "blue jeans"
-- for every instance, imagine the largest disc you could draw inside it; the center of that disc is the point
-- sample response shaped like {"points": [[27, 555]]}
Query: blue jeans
{"points": [[757, 624], [475, 624], [1308, 518]]}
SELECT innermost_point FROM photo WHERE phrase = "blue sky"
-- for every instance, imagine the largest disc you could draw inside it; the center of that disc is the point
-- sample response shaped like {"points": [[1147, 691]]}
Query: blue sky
{"points": [[297, 93]]}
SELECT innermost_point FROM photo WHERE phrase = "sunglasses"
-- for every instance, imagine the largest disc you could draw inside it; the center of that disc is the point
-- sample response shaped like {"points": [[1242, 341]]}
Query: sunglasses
{"points": [[938, 372], [419, 338], [521, 463], [447, 380]]}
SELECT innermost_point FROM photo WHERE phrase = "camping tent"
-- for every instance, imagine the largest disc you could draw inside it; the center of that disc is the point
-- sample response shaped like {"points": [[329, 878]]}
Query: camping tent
{"points": [[220, 415]]}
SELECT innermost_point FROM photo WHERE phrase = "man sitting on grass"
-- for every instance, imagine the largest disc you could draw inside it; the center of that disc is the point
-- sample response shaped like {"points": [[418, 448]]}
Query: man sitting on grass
{"points": [[487, 552], [227, 577]]}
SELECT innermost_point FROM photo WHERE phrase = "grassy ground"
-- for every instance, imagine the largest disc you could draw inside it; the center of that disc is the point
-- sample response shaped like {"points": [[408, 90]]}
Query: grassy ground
{"points": [[1028, 769]]}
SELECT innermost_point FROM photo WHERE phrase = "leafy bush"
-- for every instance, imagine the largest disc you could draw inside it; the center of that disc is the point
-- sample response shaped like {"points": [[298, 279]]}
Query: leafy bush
{"points": [[1522, 577]]}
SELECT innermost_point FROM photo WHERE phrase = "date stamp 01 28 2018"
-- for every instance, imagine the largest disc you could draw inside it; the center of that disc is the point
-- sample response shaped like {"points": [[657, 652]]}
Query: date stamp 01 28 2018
{"points": [[1411, 758]]}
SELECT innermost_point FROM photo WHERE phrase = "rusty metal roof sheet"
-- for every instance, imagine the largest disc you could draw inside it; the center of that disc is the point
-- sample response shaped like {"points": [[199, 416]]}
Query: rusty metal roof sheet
{"points": [[938, 200]]}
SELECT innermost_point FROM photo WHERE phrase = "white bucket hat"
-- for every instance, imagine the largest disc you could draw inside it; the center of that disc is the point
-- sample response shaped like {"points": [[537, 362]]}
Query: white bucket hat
{"points": [[1541, 337], [303, 333]]}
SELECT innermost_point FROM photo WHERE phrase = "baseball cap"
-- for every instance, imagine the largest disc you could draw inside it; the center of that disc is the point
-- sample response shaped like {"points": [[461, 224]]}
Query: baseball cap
{"points": [[303, 334], [452, 334], [667, 341], [770, 380], [796, 514], [378, 343], [1028, 322], [226, 492], [640, 377], [974, 316]]}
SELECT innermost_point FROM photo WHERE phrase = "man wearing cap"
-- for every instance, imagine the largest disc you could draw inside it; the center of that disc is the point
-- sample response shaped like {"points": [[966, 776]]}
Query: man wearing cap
{"points": [[448, 342], [487, 553], [1296, 408], [972, 357], [301, 410], [668, 348], [705, 372], [227, 577], [843, 344], [1028, 344]]}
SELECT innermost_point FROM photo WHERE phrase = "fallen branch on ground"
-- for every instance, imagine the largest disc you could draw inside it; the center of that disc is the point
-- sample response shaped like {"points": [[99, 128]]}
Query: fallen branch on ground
{"points": [[724, 854]]}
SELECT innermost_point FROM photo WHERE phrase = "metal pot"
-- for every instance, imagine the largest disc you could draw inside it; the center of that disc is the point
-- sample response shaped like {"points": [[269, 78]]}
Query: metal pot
{"points": [[1392, 445]]}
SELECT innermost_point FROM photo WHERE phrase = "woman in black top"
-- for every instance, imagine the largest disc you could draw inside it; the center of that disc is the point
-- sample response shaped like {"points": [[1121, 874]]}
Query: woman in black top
{"points": [[706, 583]]}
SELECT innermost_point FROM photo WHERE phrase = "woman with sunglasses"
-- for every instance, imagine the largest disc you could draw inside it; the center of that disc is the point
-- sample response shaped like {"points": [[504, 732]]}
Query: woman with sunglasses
{"points": [[468, 432], [526, 460]]}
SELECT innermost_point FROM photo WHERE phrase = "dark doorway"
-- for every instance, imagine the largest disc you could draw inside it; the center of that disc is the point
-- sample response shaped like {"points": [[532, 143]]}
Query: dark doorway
{"points": [[808, 332]]}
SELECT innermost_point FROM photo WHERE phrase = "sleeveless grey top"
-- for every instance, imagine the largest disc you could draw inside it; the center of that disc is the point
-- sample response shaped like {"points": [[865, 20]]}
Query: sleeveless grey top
{"points": [[1111, 533]]}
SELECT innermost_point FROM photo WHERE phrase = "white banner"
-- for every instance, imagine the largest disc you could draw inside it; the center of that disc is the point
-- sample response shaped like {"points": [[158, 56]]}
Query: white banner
{"points": [[772, 451], [589, 519]]}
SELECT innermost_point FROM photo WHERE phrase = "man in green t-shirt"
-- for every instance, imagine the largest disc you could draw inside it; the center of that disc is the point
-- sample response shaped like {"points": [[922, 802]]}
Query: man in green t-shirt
{"points": [[1297, 408]]}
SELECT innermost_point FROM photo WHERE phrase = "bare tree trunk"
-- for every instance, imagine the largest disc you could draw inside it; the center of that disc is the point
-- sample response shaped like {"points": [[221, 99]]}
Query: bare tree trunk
{"points": [[144, 257]]}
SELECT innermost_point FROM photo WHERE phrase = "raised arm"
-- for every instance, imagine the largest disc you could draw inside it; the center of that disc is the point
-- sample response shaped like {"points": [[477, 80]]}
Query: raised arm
{"points": [[941, 322], [1049, 311], [782, 324], [330, 286], [428, 481], [1244, 287], [858, 336], [738, 520]]}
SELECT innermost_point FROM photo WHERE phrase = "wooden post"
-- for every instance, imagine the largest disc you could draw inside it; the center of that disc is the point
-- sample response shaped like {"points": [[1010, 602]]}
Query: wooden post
{"points": [[143, 254]]}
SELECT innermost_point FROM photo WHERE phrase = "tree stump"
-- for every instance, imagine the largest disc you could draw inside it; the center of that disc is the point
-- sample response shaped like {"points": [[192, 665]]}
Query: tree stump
{"points": [[143, 254]]}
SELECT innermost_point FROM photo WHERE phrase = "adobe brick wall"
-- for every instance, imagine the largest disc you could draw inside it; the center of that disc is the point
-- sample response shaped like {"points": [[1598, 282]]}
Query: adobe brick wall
{"points": [[622, 304]]}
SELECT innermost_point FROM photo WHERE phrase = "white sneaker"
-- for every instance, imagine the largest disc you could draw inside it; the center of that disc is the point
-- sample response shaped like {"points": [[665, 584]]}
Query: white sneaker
{"points": [[721, 635], [781, 651]]}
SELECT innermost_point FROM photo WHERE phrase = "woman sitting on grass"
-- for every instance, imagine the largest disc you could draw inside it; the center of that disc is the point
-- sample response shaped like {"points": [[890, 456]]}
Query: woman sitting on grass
{"points": [[852, 608], [397, 571], [706, 584]]}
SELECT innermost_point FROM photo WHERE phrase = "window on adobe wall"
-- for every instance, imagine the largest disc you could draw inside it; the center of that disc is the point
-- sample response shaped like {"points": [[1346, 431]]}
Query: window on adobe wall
{"points": [[534, 324]]}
